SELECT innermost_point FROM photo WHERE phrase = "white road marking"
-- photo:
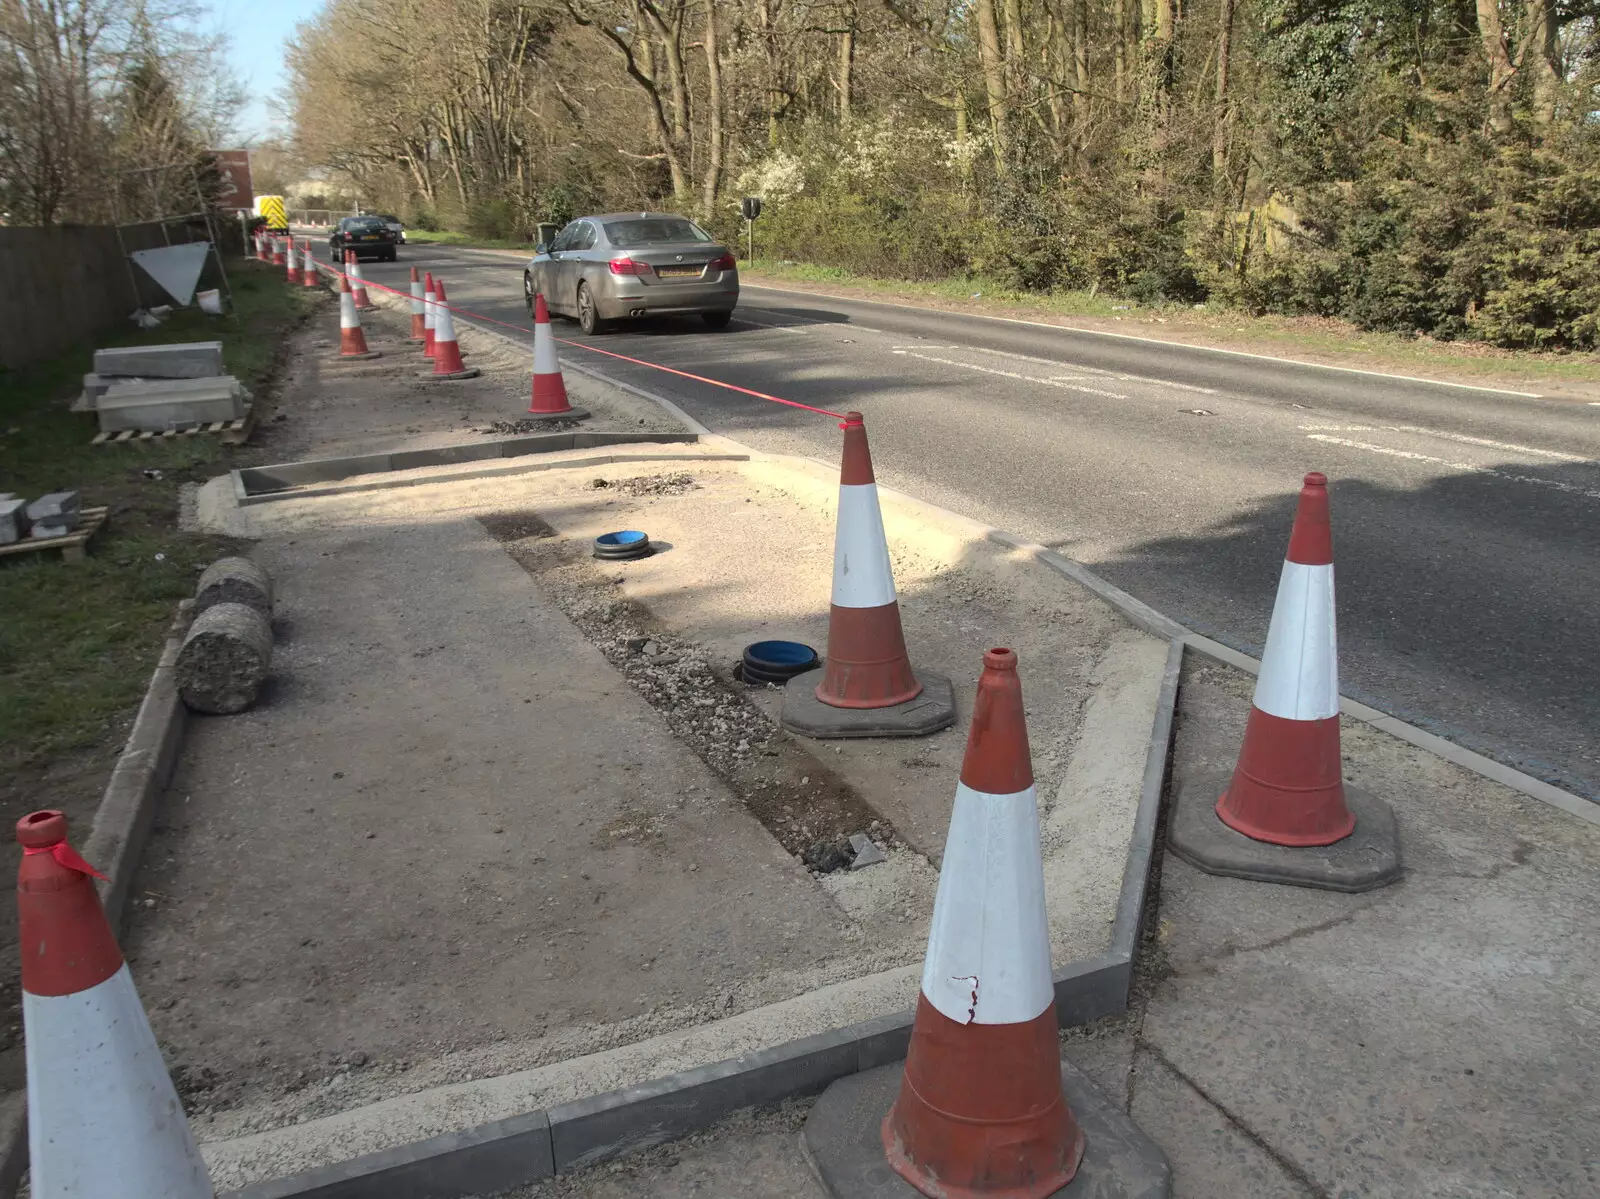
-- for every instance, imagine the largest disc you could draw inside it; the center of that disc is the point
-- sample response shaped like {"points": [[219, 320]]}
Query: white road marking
{"points": [[1157, 341], [991, 370], [1461, 466], [1056, 362], [1558, 455]]}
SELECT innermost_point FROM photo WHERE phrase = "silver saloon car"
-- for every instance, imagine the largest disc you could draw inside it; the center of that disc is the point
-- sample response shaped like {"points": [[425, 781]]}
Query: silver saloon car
{"points": [[601, 269]]}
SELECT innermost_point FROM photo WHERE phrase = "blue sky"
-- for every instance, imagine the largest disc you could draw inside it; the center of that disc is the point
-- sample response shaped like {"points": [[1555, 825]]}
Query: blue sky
{"points": [[257, 32]]}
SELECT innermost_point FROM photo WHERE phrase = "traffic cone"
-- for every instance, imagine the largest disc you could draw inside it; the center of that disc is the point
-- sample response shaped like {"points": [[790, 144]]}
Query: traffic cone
{"points": [[279, 257], [419, 319], [103, 1115], [292, 262], [359, 288], [867, 665], [352, 341], [549, 388], [430, 300], [981, 1110], [447, 362], [308, 268], [1288, 788]]}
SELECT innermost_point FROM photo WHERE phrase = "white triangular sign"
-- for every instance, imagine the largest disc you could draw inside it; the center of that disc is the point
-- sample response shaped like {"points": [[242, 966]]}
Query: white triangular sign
{"points": [[176, 268]]}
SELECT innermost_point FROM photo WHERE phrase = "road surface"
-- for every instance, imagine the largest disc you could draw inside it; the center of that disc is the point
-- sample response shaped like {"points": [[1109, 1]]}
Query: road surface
{"points": [[1466, 521]]}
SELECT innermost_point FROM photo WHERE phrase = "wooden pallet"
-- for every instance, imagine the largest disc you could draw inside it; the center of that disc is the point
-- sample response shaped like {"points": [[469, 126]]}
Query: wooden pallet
{"points": [[233, 432], [91, 521]]}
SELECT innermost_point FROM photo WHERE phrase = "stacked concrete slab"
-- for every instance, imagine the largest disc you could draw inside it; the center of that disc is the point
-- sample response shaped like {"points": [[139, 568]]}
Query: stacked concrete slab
{"points": [[170, 403], [157, 388], [182, 360]]}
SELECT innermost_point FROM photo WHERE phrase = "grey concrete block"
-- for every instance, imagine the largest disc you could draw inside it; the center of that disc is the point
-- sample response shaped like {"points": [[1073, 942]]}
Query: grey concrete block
{"points": [[1369, 857], [883, 1040], [480, 1161], [164, 406], [58, 510], [843, 1143], [13, 519], [44, 530], [807, 715], [95, 386], [633, 1118], [183, 360]]}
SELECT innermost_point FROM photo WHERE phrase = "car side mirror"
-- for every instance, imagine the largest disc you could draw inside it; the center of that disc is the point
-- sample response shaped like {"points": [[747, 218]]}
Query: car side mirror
{"points": [[541, 248]]}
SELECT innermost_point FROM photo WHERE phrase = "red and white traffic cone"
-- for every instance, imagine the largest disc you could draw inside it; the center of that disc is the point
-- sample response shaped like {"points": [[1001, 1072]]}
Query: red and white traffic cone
{"points": [[308, 267], [292, 262], [419, 317], [549, 388], [353, 269], [447, 362], [867, 665], [279, 255], [103, 1115], [430, 302], [981, 1110], [1288, 788], [352, 341]]}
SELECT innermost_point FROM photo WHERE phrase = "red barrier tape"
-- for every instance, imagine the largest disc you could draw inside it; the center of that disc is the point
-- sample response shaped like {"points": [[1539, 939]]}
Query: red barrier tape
{"points": [[467, 312]]}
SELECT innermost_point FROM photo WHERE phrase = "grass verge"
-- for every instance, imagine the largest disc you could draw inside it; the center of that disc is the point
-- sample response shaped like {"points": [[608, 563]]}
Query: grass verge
{"points": [[79, 640], [1315, 339]]}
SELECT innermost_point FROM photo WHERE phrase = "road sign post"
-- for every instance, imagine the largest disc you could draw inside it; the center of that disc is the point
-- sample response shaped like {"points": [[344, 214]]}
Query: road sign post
{"points": [[750, 208]]}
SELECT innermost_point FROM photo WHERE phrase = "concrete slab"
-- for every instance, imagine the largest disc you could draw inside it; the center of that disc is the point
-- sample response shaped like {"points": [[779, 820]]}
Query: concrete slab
{"points": [[151, 406], [842, 1141], [1437, 1037], [13, 519], [180, 360]]}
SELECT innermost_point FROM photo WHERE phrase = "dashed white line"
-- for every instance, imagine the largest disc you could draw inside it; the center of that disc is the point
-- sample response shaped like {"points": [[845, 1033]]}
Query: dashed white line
{"points": [[1512, 446], [1469, 467], [991, 370]]}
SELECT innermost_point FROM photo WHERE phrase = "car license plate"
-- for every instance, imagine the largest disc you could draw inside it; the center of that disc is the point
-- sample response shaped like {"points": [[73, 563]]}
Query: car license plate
{"points": [[368, 237], [677, 272]]}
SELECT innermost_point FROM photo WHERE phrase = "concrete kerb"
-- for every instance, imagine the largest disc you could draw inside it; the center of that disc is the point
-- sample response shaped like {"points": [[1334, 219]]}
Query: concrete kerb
{"points": [[116, 839]]}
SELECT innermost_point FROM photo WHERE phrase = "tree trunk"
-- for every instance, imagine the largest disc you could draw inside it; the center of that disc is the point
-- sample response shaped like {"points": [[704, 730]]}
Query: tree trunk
{"points": [[1224, 112], [994, 80], [1080, 63], [1543, 58], [847, 65], [1119, 43], [712, 181], [1502, 71]]}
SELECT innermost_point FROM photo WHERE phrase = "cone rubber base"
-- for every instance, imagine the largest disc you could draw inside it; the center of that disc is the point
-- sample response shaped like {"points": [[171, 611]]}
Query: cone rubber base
{"points": [[415, 341], [804, 713], [569, 414], [471, 372], [1369, 857], [844, 1149], [359, 357]]}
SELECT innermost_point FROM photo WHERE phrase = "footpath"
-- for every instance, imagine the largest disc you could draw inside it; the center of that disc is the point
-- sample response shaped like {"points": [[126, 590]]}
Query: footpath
{"points": [[509, 846]]}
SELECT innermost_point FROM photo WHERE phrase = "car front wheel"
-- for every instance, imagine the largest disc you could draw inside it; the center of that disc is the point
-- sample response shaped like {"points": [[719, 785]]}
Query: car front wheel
{"points": [[527, 291]]}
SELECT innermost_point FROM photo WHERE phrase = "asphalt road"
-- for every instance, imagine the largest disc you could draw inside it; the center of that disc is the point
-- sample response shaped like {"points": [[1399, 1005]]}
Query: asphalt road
{"points": [[1465, 520]]}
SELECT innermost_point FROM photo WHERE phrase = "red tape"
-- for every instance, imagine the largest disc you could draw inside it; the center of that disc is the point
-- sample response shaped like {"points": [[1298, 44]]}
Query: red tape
{"points": [[467, 312], [66, 855]]}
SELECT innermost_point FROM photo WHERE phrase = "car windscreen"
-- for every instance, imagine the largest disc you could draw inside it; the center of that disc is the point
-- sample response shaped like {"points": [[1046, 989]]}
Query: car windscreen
{"points": [[652, 231], [365, 222]]}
